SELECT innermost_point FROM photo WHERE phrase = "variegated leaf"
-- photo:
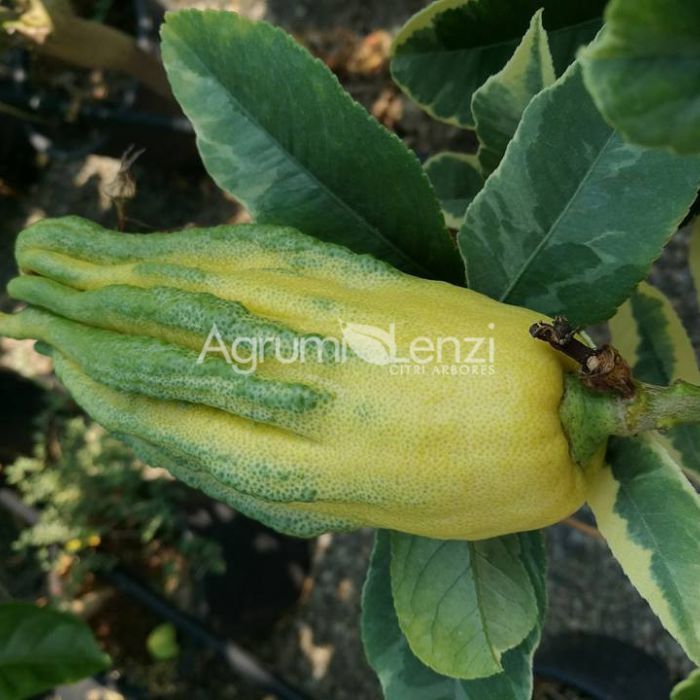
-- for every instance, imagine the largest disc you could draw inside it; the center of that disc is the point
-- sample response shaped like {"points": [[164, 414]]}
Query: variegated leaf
{"points": [[645, 73], [405, 677], [650, 335], [650, 515], [573, 233], [276, 130], [446, 51], [499, 103], [462, 605], [456, 179]]}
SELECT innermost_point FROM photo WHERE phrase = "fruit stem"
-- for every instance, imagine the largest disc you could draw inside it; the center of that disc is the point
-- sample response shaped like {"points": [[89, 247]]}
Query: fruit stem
{"points": [[590, 417], [661, 408]]}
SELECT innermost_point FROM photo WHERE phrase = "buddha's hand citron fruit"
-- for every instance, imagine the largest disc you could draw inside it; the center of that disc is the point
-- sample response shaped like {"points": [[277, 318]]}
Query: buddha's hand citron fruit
{"points": [[309, 387]]}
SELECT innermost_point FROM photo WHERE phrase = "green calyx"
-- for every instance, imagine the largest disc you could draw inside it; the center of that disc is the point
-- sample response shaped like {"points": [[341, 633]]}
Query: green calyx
{"points": [[589, 418]]}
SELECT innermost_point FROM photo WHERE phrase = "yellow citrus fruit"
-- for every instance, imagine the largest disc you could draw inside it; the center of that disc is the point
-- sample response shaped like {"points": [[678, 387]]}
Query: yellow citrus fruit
{"points": [[309, 387]]}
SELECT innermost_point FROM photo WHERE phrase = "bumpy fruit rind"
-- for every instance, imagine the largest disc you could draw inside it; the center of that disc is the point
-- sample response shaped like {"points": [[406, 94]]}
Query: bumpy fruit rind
{"points": [[434, 447]]}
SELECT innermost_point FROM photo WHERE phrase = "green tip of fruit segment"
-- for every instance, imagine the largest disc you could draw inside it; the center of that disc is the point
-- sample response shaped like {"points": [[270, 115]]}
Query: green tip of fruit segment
{"points": [[10, 325]]}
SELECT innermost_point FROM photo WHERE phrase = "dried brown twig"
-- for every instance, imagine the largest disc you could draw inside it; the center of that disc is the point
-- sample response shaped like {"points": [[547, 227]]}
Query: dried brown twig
{"points": [[123, 188], [601, 369]]}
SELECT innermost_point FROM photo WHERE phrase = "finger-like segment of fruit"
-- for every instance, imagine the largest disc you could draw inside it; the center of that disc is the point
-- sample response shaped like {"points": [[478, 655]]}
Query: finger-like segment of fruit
{"points": [[275, 294], [278, 273], [242, 463], [224, 249], [167, 313], [148, 366], [286, 518]]}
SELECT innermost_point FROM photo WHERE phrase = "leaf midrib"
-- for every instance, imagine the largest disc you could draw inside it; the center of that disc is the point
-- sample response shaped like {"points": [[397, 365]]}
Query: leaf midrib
{"points": [[552, 231], [480, 607]]}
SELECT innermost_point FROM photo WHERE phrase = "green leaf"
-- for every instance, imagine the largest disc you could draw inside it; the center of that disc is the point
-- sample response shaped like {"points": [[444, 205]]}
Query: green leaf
{"points": [[162, 642], [689, 689], [650, 336], [276, 130], [644, 74], [499, 103], [42, 648], [457, 180], [404, 677], [573, 217], [461, 605], [446, 51], [650, 516], [694, 256]]}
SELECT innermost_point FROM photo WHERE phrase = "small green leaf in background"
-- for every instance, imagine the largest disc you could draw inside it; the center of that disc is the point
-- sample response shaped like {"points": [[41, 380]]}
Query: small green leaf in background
{"points": [[574, 216], [644, 74], [499, 103], [461, 605], [689, 689], [162, 642], [41, 648], [650, 336], [404, 677], [650, 516], [449, 49], [276, 130], [456, 180]]}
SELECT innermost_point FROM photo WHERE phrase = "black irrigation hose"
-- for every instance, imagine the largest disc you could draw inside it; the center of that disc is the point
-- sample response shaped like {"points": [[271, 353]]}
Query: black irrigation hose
{"points": [[241, 662], [47, 107], [573, 681]]}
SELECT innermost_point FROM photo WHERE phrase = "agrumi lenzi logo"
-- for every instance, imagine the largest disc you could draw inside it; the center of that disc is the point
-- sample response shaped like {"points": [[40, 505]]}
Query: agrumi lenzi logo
{"points": [[441, 355]]}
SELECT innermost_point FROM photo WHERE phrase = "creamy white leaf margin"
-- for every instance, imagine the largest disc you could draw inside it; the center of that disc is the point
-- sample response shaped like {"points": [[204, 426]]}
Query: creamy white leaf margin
{"points": [[650, 516]]}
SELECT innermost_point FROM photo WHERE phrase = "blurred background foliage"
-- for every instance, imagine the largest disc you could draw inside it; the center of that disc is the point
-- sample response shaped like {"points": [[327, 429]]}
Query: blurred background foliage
{"points": [[99, 506]]}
